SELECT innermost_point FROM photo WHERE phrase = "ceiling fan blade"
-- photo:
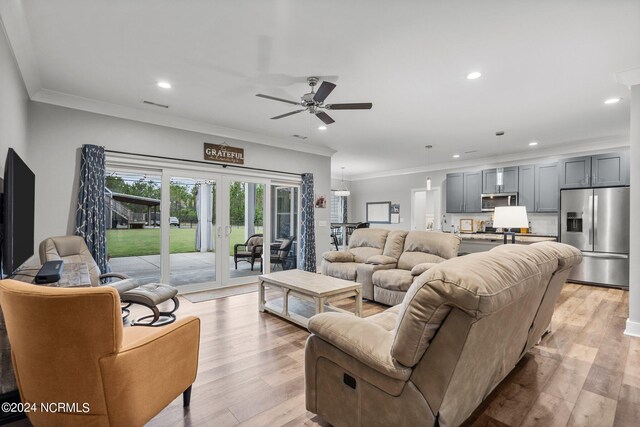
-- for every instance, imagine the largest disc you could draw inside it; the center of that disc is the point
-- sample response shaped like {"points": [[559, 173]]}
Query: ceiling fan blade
{"points": [[287, 114], [352, 106], [277, 99], [323, 91], [325, 117]]}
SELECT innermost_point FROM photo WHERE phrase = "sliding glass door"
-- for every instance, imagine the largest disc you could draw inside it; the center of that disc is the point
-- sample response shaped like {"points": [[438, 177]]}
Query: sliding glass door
{"points": [[197, 229], [243, 228]]}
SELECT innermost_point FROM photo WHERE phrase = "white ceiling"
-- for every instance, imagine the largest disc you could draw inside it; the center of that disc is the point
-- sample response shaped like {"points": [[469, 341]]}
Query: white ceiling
{"points": [[547, 68]]}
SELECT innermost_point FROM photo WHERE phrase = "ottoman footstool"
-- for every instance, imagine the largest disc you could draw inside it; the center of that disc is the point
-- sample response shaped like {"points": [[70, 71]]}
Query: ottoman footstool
{"points": [[150, 296]]}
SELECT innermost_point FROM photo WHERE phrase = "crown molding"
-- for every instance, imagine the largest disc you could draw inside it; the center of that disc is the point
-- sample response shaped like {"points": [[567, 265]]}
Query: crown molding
{"points": [[564, 149], [630, 77], [115, 110]]}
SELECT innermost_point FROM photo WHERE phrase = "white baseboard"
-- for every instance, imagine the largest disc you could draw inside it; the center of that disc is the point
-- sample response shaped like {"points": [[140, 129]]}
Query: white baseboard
{"points": [[633, 328]]}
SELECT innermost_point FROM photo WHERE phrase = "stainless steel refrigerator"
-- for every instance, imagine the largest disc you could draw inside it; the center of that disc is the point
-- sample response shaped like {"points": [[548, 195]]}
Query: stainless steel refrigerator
{"points": [[596, 221]]}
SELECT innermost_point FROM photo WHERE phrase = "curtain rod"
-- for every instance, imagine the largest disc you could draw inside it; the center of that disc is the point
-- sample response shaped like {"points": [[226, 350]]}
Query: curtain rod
{"points": [[224, 165]]}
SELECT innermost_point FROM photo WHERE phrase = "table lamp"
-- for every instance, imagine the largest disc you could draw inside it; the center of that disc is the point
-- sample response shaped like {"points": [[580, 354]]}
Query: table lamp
{"points": [[510, 217]]}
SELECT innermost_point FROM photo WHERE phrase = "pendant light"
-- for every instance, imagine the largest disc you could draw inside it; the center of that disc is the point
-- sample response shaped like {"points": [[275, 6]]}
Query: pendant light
{"points": [[499, 170], [343, 191], [428, 147]]}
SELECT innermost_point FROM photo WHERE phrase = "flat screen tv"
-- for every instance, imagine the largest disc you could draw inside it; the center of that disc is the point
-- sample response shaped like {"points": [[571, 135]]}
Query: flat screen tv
{"points": [[18, 212]]}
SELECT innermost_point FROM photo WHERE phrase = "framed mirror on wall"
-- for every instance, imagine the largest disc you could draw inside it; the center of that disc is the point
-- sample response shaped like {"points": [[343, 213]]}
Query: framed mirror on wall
{"points": [[379, 212]]}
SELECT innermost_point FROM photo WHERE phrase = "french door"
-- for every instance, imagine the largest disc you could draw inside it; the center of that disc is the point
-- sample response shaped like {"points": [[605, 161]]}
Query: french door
{"points": [[199, 229], [216, 236]]}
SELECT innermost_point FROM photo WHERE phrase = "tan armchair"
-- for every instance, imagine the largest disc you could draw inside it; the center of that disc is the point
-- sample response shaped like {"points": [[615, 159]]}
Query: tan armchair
{"points": [[74, 249], [68, 345]]}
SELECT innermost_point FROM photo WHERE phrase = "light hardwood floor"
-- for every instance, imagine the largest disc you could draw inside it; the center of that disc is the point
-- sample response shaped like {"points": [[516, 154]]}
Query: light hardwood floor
{"points": [[585, 373]]}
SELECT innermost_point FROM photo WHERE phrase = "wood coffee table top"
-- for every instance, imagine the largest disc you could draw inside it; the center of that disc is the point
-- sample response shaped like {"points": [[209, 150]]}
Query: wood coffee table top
{"points": [[313, 284]]}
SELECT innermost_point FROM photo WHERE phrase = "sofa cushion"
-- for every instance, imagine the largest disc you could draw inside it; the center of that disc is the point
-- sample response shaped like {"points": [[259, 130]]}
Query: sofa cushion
{"points": [[394, 279], [387, 319], [408, 260], [381, 260], [478, 284], [338, 256], [418, 269], [395, 244], [362, 254], [368, 238], [341, 270], [441, 245]]}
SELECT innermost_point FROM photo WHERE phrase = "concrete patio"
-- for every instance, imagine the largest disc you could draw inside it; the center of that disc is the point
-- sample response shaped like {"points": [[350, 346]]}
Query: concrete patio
{"points": [[186, 268]]}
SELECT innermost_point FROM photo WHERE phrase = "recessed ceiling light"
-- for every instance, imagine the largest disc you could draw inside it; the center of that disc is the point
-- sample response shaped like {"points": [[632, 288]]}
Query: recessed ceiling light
{"points": [[612, 100], [164, 85], [322, 128], [455, 156], [474, 75], [533, 144]]}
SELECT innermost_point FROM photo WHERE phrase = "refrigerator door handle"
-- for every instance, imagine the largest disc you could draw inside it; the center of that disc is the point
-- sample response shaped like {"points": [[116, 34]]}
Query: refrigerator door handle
{"points": [[591, 222], [595, 219]]}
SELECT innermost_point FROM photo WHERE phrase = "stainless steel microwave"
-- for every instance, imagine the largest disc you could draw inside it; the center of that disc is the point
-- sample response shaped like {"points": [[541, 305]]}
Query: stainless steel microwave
{"points": [[491, 201]]}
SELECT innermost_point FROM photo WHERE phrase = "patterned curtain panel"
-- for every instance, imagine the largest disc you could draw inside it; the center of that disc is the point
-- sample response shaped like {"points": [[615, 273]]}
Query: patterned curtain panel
{"points": [[90, 215], [345, 216], [307, 229]]}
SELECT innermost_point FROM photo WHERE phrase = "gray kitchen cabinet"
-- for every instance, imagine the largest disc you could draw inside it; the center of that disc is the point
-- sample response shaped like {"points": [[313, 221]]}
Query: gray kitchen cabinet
{"points": [[526, 187], [575, 172], [473, 192], [602, 170], [609, 170], [455, 192], [547, 192], [509, 181]]}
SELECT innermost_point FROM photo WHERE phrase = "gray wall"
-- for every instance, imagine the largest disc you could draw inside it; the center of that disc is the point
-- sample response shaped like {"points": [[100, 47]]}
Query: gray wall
{"points": [[57, 133], [13, 105]]}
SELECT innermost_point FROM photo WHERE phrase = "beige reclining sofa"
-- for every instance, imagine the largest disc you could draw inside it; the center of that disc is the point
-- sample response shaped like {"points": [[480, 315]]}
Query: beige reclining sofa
{"points": [[421, 251], [386, 262], [461, 328]]}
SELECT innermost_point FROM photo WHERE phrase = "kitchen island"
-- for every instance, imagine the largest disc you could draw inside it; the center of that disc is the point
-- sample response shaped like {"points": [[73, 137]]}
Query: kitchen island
{"points": [[480, 242]]}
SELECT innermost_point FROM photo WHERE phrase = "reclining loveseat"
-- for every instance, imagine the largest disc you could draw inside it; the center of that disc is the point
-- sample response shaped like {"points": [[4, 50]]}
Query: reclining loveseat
{"points": [[386, 262]]}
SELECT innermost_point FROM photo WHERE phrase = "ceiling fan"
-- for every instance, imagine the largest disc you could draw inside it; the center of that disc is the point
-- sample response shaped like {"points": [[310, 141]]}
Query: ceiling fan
{"points": [[313, 102]]}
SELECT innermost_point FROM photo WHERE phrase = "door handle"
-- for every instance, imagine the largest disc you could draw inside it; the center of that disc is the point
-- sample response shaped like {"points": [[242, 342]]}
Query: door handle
{"points": [[591, 220], [219, 232], [595, 219], [227, 230]]}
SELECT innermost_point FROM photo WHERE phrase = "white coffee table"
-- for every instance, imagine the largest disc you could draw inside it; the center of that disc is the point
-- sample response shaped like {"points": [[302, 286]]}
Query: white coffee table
{"points": [[314, 291]]}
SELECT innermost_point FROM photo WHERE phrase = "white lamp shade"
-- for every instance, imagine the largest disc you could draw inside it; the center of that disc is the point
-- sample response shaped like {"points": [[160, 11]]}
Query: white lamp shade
{"points": [[511, 217]]}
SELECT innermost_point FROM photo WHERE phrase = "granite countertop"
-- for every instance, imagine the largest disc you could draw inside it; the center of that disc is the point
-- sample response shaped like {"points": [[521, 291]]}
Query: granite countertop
{"points": [[522, 238]]}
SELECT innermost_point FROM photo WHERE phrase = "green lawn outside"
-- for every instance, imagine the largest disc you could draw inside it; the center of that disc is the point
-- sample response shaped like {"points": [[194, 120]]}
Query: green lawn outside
{"points": [[125, 242]]}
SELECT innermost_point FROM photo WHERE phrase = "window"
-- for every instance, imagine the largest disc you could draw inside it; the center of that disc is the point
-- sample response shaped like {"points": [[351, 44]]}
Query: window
{"points": [[336, 208]]}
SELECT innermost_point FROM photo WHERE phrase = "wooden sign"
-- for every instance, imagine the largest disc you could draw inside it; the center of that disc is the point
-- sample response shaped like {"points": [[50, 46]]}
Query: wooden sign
{"points": [[224, 153]]}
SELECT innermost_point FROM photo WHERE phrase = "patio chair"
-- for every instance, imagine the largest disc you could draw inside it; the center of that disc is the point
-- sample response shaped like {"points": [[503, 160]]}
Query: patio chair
{"points": [[249, 251], [280, 254]]}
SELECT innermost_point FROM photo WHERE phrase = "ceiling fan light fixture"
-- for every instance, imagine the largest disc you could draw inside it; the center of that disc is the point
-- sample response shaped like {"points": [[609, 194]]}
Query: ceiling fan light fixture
{"points": [[474, 75], [322, 127], [164, 85]]}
